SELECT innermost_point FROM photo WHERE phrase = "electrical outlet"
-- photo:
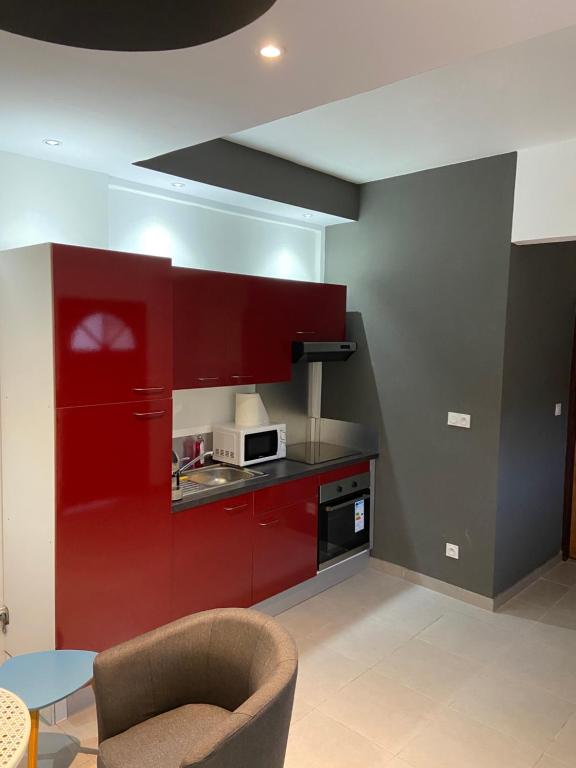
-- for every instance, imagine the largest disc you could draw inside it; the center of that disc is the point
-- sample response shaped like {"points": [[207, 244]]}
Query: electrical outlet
{"points": [[459, 420], [453, 550], [558, 409]]}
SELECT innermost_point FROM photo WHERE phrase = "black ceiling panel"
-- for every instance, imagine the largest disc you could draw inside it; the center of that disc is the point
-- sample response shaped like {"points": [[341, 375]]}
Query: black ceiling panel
{"points": [[129, 25], [222, 163]]}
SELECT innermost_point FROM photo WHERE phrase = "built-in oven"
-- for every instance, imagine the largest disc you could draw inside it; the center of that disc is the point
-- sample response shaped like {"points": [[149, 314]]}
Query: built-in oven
{"points": [[343, 519]]}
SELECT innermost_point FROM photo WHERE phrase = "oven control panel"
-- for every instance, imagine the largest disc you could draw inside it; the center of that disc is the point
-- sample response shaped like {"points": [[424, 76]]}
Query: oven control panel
{"points": [[345, 487]]}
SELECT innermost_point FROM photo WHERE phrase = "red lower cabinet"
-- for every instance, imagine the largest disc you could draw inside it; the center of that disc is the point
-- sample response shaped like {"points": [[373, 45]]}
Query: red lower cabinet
{"points": [[212, 556], [112, 522], [285, 539]]}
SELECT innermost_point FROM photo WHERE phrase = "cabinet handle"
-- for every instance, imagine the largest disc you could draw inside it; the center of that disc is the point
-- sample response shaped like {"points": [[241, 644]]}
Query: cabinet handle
{"points": [[270, 522], [334, 507], [148, 390], [306, 333], [208, 378], [235, 509], [244, 376], [149, 414]]}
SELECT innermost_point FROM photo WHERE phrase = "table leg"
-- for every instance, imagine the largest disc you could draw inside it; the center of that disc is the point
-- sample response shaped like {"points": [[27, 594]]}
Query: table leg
{"points": [[33, 743]]}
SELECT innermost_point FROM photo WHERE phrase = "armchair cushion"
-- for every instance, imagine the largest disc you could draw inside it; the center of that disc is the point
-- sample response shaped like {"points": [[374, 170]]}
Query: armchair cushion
{"points": [[163, 740]]}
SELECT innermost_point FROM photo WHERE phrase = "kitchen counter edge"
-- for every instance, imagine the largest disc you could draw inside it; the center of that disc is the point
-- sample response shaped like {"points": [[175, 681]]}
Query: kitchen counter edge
{"points": [[277, 472]]}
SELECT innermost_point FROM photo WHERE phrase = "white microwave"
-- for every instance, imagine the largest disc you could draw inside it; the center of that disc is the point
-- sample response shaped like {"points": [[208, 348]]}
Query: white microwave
{"points": [[243, 446]]}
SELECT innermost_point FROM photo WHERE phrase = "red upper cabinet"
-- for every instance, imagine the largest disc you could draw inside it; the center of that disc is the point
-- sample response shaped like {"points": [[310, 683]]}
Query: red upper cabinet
{"points": [[112, 326], [226, 330], [313, 311], [112, 522]]}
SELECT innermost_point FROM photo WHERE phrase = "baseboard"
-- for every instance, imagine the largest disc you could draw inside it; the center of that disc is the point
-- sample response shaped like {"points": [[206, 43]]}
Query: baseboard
{"points": [[320, 583], [436, 585], [537, 573], [459, 593]]}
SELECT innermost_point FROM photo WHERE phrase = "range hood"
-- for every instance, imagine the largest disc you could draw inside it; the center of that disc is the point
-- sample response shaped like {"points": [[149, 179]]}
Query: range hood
{"points": [[322, 351]]}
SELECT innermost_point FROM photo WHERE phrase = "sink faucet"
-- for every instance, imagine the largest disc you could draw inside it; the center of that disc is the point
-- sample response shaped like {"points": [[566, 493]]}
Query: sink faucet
{"points": [[191, 463]]}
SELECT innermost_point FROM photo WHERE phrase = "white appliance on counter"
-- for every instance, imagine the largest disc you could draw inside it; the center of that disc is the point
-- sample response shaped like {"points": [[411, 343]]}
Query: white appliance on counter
{"points": [[243, 446]]}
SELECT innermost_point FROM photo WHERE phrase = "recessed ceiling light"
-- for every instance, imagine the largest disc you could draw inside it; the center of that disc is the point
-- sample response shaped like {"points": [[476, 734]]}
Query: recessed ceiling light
{"points": [[271, 51], [308, 215], [52, 142], [178, 184]]}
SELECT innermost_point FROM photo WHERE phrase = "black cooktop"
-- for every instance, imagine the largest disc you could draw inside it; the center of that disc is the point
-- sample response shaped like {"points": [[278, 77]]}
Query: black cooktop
{"points": [[317, 453]]}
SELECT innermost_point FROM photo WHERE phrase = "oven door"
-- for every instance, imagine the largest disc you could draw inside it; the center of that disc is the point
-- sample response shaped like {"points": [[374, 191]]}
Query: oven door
{"points": [[343, 528], [260, 446]]}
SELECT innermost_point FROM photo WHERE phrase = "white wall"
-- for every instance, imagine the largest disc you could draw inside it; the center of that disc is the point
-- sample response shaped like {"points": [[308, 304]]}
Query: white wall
{"points": [[206, 237], [46, 202], [545, 195], [42, 201]]}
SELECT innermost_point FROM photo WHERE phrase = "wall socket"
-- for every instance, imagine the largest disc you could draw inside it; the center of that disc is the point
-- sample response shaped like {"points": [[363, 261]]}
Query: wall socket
{"points": [[558, 409], [453, 550], [459, 420]]}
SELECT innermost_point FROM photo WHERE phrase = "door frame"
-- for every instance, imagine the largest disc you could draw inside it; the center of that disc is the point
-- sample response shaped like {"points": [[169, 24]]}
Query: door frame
{"points": [[570, 455]]}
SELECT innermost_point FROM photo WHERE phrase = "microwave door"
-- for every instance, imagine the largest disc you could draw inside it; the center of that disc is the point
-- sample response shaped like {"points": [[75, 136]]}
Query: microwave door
{"points": [[259, 446]]}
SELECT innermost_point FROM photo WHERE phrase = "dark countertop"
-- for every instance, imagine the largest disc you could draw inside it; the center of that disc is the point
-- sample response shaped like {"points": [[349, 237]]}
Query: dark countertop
{"points": [[279, 471]]}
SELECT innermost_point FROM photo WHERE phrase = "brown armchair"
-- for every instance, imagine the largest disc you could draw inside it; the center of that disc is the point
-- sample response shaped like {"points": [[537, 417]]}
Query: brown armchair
{"points": [[214, 690]]}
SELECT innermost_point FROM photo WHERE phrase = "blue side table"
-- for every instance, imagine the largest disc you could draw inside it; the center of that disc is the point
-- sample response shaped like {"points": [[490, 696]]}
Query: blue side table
{"points": [[42, 679]]}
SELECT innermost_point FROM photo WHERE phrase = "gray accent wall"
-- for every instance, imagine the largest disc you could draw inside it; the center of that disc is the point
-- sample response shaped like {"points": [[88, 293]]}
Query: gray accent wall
{"points": [[427, 270], [539, 333]]}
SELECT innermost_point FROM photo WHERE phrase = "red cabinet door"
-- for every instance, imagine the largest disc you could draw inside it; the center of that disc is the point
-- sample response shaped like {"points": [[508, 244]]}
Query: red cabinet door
{"points": [[112, 326], [226, 330], [285, 537], [112, 522], [313, 311], [212, 556], [207, 330]]}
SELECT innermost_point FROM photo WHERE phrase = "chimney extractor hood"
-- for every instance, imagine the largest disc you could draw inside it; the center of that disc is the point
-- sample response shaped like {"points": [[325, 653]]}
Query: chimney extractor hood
{"points": [[322, 351]]}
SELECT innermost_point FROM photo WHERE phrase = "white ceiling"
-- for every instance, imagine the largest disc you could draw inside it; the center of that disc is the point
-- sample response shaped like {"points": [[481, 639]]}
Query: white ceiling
{"points": [[112, 109], [514, 98]]}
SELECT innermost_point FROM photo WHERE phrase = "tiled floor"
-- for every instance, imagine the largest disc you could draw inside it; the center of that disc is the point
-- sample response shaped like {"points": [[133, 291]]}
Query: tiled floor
{"points": [[394, 675]]}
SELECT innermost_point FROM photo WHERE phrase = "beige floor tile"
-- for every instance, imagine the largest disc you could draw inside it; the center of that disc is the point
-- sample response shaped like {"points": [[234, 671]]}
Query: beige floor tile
{"points": [[550, 762], [546, 631], [322, 672], [466, 636], [544, 593], [522, 711], [82, 726], [452, 740], [318, 741], [540, 664], [517, 608], [365, 639], [380, 709], [427, 669], [558, 616], [415, 606], [563, 748], [563, 573]]}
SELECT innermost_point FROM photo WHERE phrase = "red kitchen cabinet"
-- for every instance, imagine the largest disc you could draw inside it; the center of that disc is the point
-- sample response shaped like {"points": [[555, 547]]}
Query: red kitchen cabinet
{"points": [[225, 330], [313, 311], [112, 522], [285, 537], [212, 556], [112, 326]]}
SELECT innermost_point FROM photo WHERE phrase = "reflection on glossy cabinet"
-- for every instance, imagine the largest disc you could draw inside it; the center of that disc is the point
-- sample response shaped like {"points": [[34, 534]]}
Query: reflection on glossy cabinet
{"points": [[112, 326], [112, 522], [212, 556]]}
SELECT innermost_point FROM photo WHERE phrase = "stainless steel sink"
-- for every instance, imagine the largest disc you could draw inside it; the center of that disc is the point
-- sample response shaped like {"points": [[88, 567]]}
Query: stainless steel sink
{"points": [[215, 477]]}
